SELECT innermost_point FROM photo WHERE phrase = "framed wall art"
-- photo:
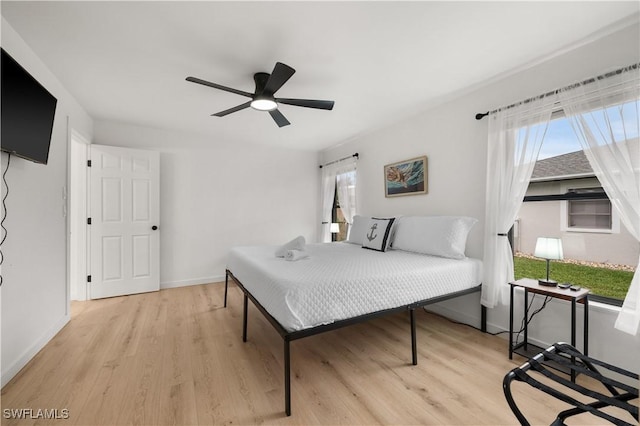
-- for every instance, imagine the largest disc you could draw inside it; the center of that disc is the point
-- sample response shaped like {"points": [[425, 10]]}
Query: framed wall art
{"points": [[408, 177]]}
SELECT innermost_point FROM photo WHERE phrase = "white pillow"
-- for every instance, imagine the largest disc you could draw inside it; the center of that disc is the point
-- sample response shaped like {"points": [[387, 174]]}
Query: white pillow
{"points": [[378, 237], [444, 236], [357, 229]]}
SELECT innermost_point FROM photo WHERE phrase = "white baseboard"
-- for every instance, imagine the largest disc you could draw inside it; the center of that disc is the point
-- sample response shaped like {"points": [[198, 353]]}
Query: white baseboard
{"points": [[27, 355], [193, 281]]}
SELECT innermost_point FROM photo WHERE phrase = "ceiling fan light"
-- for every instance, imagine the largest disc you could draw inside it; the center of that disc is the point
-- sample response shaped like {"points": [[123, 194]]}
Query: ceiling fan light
{"points": [[263, 104]]}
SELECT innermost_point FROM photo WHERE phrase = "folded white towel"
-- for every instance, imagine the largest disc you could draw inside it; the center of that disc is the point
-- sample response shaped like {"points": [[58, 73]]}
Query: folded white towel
{"points": [[295, 244], [294, 255]]}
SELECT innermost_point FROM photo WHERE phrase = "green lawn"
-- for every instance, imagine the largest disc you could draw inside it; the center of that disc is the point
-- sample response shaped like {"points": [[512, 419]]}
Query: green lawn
{"points": [[601, 281]]}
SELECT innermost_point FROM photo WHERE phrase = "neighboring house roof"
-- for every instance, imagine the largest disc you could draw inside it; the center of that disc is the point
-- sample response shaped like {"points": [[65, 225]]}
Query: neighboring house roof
{"points": [[566, 166]]}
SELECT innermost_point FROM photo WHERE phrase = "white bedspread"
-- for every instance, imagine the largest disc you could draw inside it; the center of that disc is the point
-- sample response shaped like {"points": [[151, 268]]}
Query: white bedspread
{"points": [[340, 280]]}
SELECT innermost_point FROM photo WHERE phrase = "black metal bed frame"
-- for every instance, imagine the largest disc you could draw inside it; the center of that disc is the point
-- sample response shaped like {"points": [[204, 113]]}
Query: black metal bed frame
{"points": [[569, 357], [289, 336]]}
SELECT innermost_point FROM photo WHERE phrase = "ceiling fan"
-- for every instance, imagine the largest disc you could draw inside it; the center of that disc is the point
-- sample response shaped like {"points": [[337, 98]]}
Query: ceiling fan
{"points": [[263, 98]]}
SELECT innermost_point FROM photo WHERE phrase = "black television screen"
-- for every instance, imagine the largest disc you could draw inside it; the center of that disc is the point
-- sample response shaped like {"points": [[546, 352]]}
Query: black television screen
{"points": [[27, 113]]}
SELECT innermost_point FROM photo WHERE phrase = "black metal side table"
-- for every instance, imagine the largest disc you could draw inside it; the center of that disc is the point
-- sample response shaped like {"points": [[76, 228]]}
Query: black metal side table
{"points": [[532, 286]]}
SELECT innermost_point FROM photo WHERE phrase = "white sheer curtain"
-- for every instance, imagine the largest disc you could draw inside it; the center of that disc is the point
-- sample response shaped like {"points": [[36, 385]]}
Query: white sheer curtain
{"points": [[346, 180], [605, 116], [344, 172], [515, 138], [328, 192]]}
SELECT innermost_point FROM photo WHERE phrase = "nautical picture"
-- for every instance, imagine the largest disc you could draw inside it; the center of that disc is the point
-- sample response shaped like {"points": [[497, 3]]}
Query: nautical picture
{"points": [[407, 177]]}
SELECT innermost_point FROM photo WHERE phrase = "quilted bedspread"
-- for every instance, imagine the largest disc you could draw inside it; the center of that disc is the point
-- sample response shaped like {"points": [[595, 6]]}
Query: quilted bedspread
{"points": [[340, 280]]}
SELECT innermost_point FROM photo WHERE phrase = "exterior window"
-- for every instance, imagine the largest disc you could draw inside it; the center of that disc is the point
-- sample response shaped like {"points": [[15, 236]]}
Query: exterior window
{"points": [[599, 252], [338, 217], [589, 214]]}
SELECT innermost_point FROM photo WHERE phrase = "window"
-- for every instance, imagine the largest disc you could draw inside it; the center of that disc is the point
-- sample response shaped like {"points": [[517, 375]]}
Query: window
{"points": [[589, 214], [338, 217], [566, 200], [345, 182], [337, 197]]}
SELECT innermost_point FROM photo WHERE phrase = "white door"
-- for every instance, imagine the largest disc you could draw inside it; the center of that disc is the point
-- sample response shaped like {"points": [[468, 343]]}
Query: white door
{"points": [[124, 215]]}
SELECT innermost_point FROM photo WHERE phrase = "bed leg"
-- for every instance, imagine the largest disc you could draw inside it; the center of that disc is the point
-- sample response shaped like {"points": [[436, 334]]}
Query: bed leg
{"points": [[414, 350], [244, 318], [287, 379], [483, 318], [226, 286]]}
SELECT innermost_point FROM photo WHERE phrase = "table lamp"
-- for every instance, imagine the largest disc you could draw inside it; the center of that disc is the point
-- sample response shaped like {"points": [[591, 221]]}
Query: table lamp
{"points": [[549, 249], [335, 228]]}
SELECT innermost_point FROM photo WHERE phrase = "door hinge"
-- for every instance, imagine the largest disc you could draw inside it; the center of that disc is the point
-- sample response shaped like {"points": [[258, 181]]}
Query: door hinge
{"points": [[88, 278], [88, 221], [88, 163]]}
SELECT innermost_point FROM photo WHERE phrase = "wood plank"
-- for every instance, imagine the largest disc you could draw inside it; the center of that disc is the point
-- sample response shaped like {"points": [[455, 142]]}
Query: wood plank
{"points": [[177, 357]]}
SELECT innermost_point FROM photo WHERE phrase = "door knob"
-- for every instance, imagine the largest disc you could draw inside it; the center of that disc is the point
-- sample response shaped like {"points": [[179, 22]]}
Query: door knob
{"points": [[154, 227]]}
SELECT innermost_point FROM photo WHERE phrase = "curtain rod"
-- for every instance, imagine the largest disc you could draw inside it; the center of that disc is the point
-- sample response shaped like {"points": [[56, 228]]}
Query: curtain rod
{"points": [[341, 159], [480, 116]]}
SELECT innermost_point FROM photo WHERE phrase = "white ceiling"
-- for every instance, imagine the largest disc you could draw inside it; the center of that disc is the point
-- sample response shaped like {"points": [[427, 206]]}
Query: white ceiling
{"points": [[379, 61]]}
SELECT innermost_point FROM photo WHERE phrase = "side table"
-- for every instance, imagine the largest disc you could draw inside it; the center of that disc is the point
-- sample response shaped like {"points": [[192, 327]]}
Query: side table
{"points": [[532, 286]]}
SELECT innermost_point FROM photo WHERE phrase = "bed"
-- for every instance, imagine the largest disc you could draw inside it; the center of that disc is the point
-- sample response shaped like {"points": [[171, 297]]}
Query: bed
{"points": [[341, 284]]}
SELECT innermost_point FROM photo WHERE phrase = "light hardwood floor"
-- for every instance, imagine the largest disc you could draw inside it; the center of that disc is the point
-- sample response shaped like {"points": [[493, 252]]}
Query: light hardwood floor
{"points": [[177, 357]]}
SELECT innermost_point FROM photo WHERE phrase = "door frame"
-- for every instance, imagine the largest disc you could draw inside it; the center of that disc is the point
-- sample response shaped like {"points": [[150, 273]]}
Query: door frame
{"points": [[77, 233]]}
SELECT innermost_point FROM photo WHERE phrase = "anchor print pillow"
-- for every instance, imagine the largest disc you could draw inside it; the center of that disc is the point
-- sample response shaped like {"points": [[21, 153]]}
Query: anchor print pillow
{"points": [[378, 234]]}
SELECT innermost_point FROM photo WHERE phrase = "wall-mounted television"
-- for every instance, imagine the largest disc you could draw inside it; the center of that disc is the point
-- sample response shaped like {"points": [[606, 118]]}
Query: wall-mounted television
{"points": [[27, 113]]}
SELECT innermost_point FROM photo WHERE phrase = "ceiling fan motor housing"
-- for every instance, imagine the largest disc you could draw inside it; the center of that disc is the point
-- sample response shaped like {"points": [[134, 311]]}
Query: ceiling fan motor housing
{"points": [[261, 79], [262, 101]]}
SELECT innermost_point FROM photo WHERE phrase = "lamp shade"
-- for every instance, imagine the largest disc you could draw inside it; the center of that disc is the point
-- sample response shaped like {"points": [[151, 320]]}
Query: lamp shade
{"points": [[549, 248], [335, 228]]}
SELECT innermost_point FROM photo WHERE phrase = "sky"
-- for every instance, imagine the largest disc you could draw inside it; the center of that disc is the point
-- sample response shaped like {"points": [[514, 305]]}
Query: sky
{"points": [[559, 139], [622, 120]]}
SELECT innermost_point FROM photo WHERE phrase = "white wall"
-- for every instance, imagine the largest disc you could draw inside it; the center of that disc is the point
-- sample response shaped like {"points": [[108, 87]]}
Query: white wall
{"points": [[456, 145], [215, 195], [34, 295]]}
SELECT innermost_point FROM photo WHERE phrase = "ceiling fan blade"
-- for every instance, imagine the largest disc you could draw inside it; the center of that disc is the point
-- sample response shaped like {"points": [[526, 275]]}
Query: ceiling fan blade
{"points": [[307, 103], [234, 109], [218, 86], [279, 76], [280, 119]]}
